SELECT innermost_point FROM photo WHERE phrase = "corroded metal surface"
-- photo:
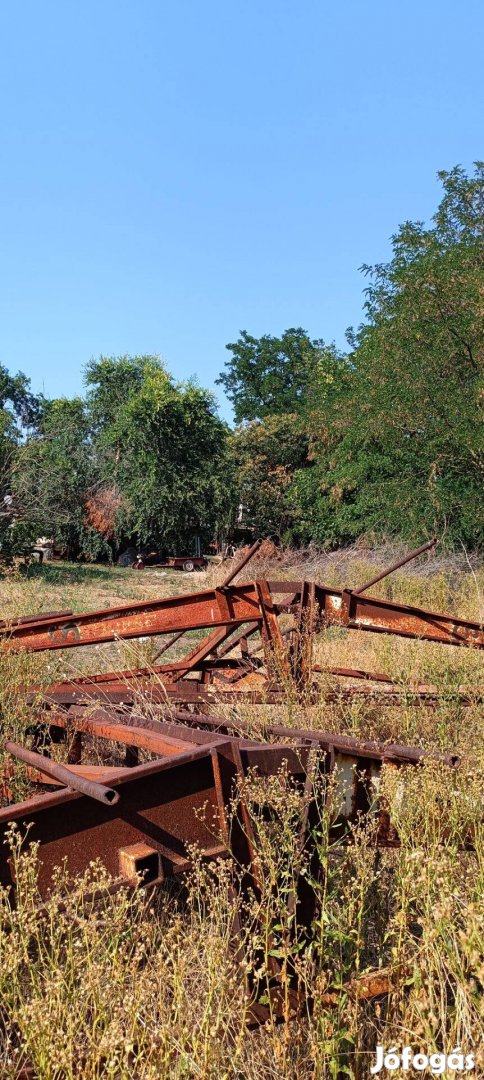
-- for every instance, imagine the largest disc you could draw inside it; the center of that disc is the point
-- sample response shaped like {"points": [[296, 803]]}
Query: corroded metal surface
{"points": [[160, 802], [192, 794], [194, 611], [189, 789], [236, 605], [222, 663]]}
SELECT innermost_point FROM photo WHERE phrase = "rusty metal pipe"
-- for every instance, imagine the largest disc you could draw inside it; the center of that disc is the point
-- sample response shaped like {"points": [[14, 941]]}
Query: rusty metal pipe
{"points": [[65, 776], [395, 566]]}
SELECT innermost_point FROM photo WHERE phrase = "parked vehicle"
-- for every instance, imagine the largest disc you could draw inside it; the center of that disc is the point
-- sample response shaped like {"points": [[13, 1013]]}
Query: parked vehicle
{"points": [[172, 562]]}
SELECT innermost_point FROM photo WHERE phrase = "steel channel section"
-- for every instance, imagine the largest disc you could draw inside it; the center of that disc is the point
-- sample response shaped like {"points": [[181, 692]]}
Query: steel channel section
{"points": [[41, 616], [168, 805], [344, 608], [366, 749], [188, 692], [161, 803]]}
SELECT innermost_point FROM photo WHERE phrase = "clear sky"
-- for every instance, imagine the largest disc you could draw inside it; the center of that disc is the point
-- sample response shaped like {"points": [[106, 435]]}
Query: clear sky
{"points": [[173, 173]]}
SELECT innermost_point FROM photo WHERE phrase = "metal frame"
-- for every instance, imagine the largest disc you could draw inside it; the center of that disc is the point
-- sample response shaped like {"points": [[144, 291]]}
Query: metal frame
{"points": [[146, 816]]}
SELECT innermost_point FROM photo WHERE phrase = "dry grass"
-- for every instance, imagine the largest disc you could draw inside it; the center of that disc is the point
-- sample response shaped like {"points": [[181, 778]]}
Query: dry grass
{"points": [[148, 987]]}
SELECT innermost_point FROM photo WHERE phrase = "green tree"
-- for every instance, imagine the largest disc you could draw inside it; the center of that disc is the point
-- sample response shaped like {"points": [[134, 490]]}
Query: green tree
{"points": [[163, 447], [266, 454], [280, 387], [406, 456], [270, 376], [55, 474], [19, 411]]}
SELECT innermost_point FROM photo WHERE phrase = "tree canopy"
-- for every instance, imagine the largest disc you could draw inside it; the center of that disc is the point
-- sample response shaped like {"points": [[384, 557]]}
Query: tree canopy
{"points": [[271, 376], [164, 448], [19, 412], [141, 460], [407, 453], [386, 439], [394, 433]]}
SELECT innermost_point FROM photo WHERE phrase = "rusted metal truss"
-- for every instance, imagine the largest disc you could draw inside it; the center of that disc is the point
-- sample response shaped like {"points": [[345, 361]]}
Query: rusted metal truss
{"points": [[144, 816], [284, 615], [236, 606]]}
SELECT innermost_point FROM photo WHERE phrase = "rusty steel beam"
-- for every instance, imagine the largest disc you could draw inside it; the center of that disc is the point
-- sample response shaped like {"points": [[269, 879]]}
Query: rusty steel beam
{"points": [[343, 607], [168, 644], [275, 654], [301, 646], [353, 673], [201, 651], [42, 615], [108, 726], [366, 749], [226, 581], [168, 807], [190, 691], [196, 693], [161, 805], [194, 661], [412, 688], [129, 686], [232, 613], [381, 616], [212, 608]]}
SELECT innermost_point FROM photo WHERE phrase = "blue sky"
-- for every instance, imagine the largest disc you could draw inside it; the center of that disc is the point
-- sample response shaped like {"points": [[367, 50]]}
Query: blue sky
{"points": [[174, 173]]}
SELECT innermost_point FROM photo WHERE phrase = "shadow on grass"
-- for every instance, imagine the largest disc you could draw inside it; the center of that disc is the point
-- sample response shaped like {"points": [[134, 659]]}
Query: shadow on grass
{"points": [[65, 573]]}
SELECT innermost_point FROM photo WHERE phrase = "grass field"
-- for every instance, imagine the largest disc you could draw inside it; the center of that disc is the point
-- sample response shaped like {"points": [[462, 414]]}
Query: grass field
{"points": [[148, 988]]}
